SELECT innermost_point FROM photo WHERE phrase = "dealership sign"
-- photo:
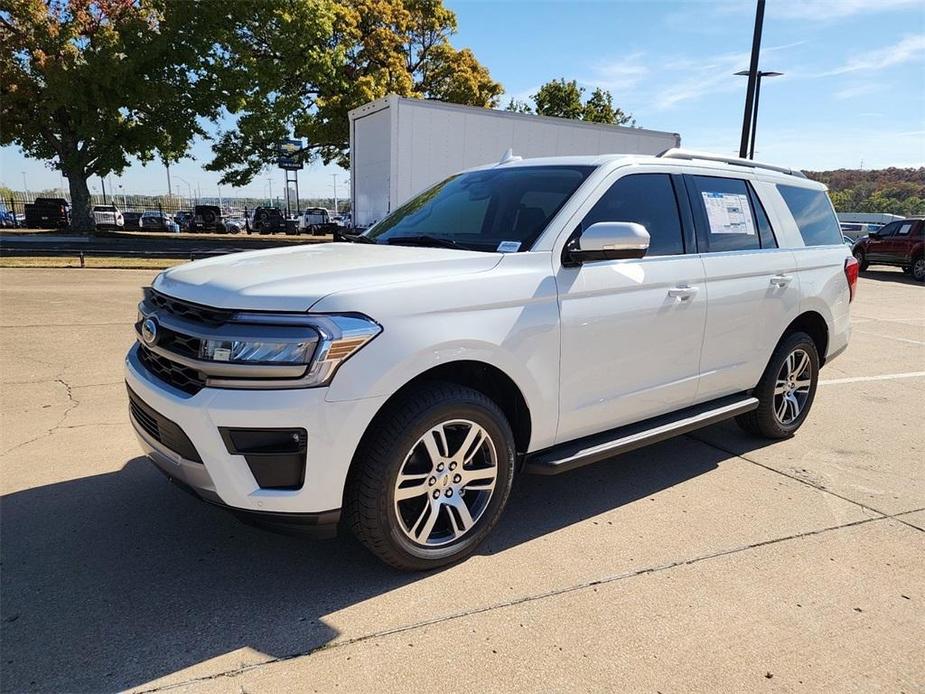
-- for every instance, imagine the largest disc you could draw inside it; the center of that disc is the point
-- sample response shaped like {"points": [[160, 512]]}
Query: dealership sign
{"points": [[289, 153]]}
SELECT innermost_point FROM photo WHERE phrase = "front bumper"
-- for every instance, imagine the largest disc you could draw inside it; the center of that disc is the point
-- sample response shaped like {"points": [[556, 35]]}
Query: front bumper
{"points": [[334, 431]]}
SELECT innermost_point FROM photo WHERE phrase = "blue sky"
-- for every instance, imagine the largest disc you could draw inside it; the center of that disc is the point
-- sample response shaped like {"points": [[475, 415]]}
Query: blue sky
{"points": [[853, 92]]}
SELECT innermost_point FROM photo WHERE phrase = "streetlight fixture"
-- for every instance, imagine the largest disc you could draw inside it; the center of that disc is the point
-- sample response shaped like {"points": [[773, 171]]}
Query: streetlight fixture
{"points": [[188, 187], [759, 74]]}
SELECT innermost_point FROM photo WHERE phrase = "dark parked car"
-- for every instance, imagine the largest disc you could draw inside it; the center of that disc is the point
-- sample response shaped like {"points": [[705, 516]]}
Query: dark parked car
{"points": [[48, 213], [155, 220], [132, 220], [207, 218], [268, 220], [898, 243], [182, 218]]}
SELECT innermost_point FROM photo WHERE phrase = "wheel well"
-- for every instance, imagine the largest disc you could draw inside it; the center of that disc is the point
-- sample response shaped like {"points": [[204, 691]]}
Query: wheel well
{"points": [[814, 325], [485, 378]]}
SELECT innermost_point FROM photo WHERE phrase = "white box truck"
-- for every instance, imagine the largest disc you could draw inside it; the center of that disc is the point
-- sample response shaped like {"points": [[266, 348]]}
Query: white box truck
{"points": [[399, 146]]}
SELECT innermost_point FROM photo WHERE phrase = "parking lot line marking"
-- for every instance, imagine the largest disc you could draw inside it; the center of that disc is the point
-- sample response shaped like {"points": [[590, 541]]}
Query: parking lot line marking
{"points": [[891, 337], [861, 379]]}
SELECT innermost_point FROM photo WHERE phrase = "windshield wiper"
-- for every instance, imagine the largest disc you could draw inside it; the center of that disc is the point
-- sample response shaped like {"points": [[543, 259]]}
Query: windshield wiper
{"points": [[422, 240], [351, 238]]}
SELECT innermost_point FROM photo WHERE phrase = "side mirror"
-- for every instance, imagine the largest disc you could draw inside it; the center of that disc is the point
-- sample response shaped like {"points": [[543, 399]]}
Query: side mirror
{"points": [[608, 241]]}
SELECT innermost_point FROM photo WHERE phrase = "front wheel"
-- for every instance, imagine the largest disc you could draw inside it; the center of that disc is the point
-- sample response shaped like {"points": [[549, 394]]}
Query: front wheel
{"points": [[786, 390], [432, 477]]}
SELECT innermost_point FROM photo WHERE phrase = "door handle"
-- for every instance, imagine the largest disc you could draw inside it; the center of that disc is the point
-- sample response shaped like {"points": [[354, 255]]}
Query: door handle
{"points": [[781, 280], [682, 293]]}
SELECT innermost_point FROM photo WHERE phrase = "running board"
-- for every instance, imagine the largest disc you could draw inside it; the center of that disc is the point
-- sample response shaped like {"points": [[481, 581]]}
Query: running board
{"points": [[592, 449]]}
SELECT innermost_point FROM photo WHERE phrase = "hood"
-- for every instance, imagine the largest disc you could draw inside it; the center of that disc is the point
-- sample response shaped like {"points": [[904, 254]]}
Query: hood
{"points": [[294, 278]]}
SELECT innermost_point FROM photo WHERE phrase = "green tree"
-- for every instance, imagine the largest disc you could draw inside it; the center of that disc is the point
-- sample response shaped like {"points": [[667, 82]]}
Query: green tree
{"points": [[518, 106], [565, 100], [87, 84], [560, 99], [304, 77]]}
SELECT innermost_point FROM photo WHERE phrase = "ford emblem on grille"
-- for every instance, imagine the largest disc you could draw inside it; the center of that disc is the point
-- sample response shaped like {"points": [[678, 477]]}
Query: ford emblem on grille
{"points": [[149, 331]]}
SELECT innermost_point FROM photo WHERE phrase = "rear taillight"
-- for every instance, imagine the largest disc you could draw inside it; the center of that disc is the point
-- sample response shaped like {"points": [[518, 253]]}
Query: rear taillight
{"points": [[851, 274]]}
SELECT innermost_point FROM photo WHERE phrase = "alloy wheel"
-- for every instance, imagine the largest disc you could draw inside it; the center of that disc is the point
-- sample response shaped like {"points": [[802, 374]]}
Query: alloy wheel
{"points": [[918, 269], [445, 483], [792, 386]]}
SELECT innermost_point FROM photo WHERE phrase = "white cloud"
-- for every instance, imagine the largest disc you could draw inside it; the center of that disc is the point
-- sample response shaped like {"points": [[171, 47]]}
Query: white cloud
{"points": [[908, 49], [619, 75], [824, 10], [857, 90]]}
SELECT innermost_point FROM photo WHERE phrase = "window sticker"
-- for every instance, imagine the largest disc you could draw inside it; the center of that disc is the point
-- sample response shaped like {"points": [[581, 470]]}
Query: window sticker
{"points": [[508, 246], [904, 229], [728, 213]]}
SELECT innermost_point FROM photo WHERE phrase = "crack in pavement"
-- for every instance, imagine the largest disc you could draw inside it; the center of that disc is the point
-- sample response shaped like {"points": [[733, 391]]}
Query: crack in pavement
{"points": [[524, 599], [805, 481], [72, 403]]}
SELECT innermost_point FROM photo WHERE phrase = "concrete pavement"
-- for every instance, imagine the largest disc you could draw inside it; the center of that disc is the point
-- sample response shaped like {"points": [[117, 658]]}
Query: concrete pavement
{"points": [[709, 562]]}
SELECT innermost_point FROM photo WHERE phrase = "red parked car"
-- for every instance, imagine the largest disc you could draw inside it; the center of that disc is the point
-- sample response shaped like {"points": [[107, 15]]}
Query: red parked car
{"points": [[898, 243]]}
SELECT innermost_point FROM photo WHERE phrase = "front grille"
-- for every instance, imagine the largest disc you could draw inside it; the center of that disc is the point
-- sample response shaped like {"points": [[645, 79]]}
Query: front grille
{"points": [[161, 429], [187, 345], [181, 377], [187, 310]]}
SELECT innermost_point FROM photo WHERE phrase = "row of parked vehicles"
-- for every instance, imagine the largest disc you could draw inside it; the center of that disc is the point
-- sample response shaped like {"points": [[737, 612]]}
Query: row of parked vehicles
{"points": [[212, 219], [53, 213]]}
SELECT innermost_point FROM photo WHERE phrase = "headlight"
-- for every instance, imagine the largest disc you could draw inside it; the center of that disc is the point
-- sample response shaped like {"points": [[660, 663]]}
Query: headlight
{"points": [[240, 349], [257, 351]]}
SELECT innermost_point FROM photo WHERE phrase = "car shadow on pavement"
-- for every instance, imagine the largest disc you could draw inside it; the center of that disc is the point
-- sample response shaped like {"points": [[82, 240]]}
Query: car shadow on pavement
{"points": [[890, 275], [115, 580]]}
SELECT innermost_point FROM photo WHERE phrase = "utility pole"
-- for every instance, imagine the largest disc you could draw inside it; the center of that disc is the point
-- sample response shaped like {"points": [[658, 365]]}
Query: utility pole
{"points": [[270, 191], [334, 176], [220, 205], [752, 79], [761, 74], [24, 184], [169, 187], [103, 182]]}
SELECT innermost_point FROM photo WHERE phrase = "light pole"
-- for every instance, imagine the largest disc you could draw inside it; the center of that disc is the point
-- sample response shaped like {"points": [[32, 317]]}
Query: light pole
{"points": [[752, 78], [24, 184], [334, 176], [754, 128], [188, 187]]}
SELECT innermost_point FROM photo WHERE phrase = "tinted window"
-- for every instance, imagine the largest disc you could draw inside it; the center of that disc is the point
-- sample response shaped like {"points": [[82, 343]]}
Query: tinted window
{"points": [[725, 215], [813, 214], [646, 199], [765, 232], [481, 209], [887, 230], [905, 228]]}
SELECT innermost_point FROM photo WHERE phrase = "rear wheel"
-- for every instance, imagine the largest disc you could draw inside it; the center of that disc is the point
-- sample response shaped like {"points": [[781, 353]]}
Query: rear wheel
{"points": [[431, 479], [786, 390], [918, 269], [861, 258]]}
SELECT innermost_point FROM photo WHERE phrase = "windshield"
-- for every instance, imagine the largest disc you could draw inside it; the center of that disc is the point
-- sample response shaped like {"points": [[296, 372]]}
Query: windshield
{"points": [[491, 210]]}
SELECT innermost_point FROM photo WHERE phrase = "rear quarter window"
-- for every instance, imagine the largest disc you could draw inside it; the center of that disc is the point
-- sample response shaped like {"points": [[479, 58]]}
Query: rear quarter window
{"points": [[813, 214]]}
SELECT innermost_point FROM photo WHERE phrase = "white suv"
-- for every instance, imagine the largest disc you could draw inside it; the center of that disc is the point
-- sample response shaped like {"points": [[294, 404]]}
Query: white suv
{"points": [[531, 316]]}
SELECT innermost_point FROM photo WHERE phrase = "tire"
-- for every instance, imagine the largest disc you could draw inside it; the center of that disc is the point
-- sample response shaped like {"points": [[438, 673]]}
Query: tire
{"points": [[862, 260], [918, 269], [766, 420], [406, 533]]}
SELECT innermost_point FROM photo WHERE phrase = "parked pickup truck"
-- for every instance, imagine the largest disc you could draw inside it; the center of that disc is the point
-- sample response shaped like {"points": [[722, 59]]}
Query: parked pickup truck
{"points": [[532, 316], [48, 213]]}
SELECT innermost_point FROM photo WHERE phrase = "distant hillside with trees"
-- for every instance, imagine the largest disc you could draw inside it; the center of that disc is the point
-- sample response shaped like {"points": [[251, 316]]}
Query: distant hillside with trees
{"points": [[897, 191]]}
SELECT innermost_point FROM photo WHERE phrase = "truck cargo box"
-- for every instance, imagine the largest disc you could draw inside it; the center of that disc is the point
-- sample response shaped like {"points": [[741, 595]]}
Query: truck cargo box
{"points": [[400, 146]]}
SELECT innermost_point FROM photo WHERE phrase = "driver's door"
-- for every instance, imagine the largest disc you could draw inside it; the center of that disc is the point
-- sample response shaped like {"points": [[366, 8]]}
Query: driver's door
{"points": [[632, 330]]}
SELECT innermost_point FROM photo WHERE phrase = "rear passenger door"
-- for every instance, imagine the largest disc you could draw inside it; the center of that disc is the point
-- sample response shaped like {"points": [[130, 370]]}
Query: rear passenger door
{"points": [[752, 285]]}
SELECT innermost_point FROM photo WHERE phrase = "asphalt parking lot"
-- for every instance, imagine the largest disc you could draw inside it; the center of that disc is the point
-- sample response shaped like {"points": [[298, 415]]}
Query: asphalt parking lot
{"points": [[712, 562]]}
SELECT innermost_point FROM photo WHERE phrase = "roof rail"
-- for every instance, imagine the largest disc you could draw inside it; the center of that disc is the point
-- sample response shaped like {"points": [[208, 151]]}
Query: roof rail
{"points": [[677, 153]]}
